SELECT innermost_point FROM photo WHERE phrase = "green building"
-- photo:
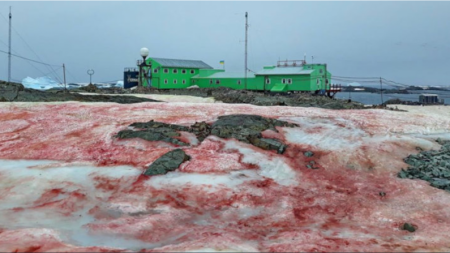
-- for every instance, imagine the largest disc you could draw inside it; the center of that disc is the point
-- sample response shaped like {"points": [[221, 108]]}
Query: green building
{"points": [[306, 77], [172, 73], [286, 76]]}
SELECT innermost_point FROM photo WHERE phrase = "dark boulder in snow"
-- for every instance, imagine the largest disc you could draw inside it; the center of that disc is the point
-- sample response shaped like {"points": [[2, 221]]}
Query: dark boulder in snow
{"points": [[167, 162]]}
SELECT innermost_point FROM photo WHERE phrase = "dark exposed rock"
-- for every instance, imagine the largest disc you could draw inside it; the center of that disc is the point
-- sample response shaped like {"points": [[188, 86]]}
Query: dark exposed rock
{"points": [[90, 88], [245, 128], [167, 162], [248, 128], [157, 134], [9, 91], [201, 130], [154, 124], [432, 166], [308, 154], [228, 95], [408, 227], [15, 92]]}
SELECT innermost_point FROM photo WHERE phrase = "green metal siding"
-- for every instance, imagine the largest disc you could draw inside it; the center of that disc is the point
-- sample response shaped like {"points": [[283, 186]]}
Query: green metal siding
{"points": [[174, 80], [204, 78]]}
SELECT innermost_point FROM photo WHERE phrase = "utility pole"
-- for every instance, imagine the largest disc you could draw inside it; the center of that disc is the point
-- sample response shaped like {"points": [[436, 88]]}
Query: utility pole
{"points": [[246, 32], [64, 74], [9, 47], [381, 89]]}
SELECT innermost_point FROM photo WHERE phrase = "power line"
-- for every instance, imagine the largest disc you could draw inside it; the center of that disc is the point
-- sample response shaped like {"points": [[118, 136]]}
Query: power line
{"points": [[28, 59], [350, 77], [48, 66], [71, 75]]}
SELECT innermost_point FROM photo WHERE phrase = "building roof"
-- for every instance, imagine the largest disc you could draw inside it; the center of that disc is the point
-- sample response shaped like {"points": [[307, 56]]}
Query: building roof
{"points": [[285, 71], [176, 63], [227, 75]]}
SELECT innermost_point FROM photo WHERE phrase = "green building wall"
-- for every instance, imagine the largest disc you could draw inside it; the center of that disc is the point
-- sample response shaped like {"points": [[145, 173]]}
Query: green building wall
{"points": [[179, 78]]}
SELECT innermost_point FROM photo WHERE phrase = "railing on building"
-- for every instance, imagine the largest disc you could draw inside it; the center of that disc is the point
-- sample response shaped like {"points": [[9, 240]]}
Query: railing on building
{"points": [[290, 63]]}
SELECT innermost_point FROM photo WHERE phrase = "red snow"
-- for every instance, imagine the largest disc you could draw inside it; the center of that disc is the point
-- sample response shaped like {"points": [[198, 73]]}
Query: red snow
{"points": [[336, 207]]}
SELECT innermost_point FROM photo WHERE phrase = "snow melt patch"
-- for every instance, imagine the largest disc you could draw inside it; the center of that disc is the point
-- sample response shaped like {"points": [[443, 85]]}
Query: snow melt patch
{"points": [[324, 134], [271, 166], [23, 182], [216, 181]]}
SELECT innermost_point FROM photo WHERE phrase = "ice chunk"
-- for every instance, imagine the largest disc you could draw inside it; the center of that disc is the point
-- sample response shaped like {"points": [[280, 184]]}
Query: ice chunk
{"points": [[40, 83]]}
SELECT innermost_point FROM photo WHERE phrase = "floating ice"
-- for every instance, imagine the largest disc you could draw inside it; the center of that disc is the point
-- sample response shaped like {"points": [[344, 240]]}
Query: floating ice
{"points": [[40, 83]]}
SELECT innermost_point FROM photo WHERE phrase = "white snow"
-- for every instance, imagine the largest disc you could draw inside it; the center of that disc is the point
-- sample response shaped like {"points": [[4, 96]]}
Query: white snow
{"points": [[270, 167], [216, 181]]}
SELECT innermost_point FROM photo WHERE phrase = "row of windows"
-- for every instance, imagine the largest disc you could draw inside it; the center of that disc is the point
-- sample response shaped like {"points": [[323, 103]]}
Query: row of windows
{"points": [[218, 81], [283, 81], [175, 71], [174, 81]]}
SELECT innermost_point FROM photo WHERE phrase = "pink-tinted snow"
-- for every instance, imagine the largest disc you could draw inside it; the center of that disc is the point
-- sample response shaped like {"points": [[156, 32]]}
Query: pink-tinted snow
{"points": [[67, 184]]}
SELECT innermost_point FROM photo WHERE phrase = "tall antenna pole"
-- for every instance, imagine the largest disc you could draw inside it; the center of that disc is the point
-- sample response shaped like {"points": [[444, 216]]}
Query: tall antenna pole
{"points": [[246, 32], [64, 74], [9, 47], [381, 89]]}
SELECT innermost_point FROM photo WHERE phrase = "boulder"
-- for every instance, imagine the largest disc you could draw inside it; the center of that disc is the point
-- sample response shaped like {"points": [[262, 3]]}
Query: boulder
{"points": [[408, 227], [167, 162]]}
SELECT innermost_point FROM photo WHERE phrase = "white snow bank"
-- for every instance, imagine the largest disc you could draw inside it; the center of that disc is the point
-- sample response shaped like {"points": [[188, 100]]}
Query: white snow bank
{"points": [[271, 167]]}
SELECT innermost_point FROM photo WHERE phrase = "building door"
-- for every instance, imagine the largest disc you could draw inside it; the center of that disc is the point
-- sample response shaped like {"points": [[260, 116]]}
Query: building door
{"points": [[266, 80]]}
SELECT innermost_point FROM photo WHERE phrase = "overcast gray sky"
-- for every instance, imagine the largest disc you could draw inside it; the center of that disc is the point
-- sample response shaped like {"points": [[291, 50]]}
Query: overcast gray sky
{"points": [[408, 42]]}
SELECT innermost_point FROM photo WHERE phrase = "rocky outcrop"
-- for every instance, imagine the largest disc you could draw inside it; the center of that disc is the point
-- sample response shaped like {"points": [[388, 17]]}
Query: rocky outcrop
{"points": [[228, 95], [248, 128], [167, 162], [243, 127], [432, 166], [15, 92], [9, 91]]}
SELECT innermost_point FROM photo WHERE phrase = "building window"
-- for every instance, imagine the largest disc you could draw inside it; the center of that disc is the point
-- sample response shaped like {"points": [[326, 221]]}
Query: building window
{"points": [[165, 81], [267, 80], [217, 81], [321, 71], [210, 81], [283, 81], [166, 70], [183, 71], [175, 71], [155, 70], [174, 81], [192, 71], [184, 81], [239, 82], [289, 81]]}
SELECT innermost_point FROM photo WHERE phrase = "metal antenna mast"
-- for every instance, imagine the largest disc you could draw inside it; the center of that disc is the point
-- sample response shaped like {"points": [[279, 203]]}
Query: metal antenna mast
{"points": [[9, 47], [246, 32]]}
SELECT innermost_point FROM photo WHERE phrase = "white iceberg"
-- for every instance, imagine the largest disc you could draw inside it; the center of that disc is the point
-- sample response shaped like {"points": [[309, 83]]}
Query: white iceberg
{"points": [[40, 83], [119, 84]]}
